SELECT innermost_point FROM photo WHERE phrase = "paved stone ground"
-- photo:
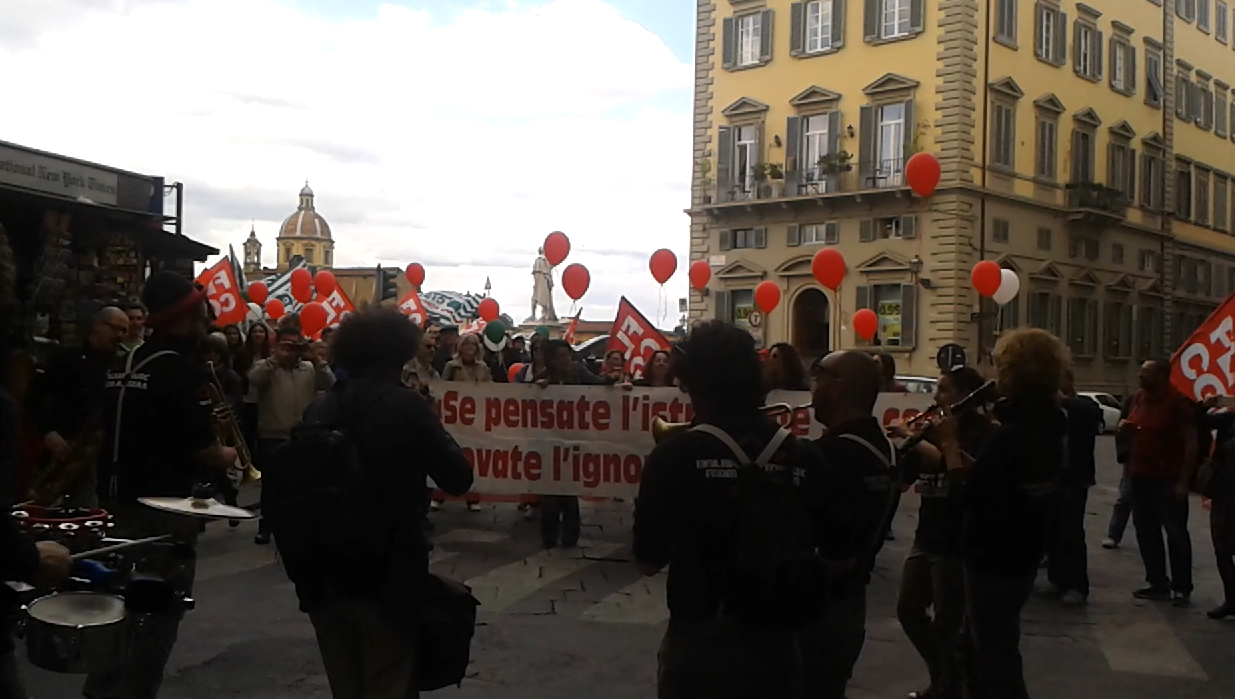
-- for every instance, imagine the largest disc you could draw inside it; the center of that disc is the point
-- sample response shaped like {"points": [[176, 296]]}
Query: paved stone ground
{"points": [[561, 627]]}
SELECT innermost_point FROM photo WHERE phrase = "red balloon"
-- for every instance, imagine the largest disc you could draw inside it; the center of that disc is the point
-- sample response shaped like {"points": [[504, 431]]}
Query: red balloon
{"points": [[700, 274], [922, 173], [313, 318], [325, 283], [415, 274], [513, 371], [488, 310], [258, 293], [767, 296], [575, 281], [828, 266], [663, 264], [302, 285], [986, 277], [865, 324], [275, 309], [557, 247]]}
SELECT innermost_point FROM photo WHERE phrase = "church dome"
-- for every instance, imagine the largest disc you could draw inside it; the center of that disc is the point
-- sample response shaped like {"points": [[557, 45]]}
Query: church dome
{"points": [[305, 222]]}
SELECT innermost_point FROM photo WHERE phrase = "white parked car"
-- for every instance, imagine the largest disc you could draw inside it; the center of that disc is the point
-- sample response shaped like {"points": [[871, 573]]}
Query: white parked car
{"points": [[1111, 407], [918, 384]]}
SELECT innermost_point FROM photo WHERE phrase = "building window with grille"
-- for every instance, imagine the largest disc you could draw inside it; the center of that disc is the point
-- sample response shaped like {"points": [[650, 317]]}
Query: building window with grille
{"points": [[1123, 66], [750, 31], [1083, 326], [1119, 329], [1005, 21], [1044, 239], [743, 239], [1046, 147], [1088, 58], [818, 26], [1050, 34], [1000, 230], [1183, 191], [1003, 135], [1045, 311], [1153, 180], [1200, 193], [1153, 78], [821, 233], [1221, 200]]}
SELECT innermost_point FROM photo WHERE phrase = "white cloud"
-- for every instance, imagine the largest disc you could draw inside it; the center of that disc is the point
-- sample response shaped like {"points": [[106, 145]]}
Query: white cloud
{"points": [[460, 145]]}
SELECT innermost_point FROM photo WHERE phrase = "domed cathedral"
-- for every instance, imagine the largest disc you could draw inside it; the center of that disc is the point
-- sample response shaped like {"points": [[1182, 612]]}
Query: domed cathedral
{"points": [[304, 234]]}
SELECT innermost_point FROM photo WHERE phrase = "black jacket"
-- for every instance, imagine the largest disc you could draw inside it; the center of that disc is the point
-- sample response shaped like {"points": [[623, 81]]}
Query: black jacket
{"points": [[18, 556], [69, 391], [1084, 424]]}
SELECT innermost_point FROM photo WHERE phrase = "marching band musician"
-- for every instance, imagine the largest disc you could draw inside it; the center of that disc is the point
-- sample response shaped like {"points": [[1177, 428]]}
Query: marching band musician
{"points": [[1006, 494], [67, 396], [160, 441]]}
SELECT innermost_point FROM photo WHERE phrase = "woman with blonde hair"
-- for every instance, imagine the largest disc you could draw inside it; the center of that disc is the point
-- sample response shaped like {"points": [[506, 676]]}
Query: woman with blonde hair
{"points": [[1006, 495], [467, 366]]}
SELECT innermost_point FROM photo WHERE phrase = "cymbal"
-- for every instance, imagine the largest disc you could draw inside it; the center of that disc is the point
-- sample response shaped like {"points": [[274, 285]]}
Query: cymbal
{"points": [[207, 508]]}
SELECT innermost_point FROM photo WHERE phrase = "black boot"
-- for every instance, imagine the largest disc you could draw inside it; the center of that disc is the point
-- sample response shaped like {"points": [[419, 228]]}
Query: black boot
{"points": [[1226, 609]]}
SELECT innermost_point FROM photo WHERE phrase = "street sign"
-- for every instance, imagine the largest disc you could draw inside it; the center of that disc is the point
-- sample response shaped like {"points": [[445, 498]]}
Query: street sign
{"points": [[951, 356], [755, 319]]}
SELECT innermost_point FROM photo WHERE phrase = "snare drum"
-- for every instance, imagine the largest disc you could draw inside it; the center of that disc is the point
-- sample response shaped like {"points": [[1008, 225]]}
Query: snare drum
{"points": [[76, 632]]}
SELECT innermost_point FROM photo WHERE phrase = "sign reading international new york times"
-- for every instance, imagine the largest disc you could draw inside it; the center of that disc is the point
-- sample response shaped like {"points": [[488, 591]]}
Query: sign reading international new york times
{"points": [[62, 178], [587, 440]]}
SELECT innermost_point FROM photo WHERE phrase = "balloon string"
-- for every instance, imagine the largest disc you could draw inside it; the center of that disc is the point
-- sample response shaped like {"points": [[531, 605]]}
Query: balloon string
{"points": [[661, 307]]}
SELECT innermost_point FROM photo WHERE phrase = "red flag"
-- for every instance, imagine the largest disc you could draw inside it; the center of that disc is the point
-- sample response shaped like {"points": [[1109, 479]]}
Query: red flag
{"points": [[1203, 366], [635, 335], [411, 307], [569, 336], [337, 304], [224, 293]]}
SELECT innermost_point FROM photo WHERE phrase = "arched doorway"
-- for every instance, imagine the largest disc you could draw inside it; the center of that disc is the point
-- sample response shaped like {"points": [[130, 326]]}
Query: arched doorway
{"points": [[812, 323]]}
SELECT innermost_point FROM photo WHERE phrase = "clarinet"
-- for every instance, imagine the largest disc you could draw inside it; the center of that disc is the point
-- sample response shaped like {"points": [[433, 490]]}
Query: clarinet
{"points": [[979, 397]]}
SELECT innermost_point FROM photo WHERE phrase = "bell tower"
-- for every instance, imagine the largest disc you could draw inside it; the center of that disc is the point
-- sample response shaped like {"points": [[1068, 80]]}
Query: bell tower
{"points": [[252, 254]]}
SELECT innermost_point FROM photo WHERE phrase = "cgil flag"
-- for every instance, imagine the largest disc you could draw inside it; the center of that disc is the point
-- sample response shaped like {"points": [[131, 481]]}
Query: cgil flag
{"points": [[636, 337], [1205, 365]]}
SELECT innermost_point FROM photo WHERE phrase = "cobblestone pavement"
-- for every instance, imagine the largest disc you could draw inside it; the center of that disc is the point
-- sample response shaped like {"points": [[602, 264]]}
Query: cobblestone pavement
{"points": [[562, 626]]}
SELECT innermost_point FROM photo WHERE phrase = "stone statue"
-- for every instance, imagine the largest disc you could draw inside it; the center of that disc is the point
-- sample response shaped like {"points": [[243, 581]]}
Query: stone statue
{"points": [[542, 289]]}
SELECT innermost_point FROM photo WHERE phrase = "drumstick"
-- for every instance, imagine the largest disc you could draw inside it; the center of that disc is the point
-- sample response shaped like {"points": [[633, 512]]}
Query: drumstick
{"points": [[117, 547]]}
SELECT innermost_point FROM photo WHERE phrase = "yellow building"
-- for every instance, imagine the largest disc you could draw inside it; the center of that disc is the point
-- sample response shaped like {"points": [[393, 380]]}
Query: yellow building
{"points": [[1082, 146], [304, 234]]}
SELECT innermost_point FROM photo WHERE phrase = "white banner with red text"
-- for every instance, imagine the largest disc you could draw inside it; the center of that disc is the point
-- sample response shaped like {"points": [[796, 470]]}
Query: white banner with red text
{"points": [[588, 441]]}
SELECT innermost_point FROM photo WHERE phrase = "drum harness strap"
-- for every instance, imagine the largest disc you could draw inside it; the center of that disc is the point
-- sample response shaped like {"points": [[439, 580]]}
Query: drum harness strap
{"points": [[129, 370]]}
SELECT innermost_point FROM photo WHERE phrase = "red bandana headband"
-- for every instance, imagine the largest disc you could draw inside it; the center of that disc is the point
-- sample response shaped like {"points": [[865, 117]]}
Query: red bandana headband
{"points": [[174, 313]]}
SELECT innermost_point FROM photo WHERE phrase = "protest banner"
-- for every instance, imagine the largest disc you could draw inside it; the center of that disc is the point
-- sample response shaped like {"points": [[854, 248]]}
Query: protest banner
{"points": [[635, 336], [223, 293], [1202, 365], [588, 441]]}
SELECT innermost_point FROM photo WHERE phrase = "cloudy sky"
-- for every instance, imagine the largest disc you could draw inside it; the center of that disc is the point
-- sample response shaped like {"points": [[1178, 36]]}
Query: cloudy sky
{"points": [[454, 133]]}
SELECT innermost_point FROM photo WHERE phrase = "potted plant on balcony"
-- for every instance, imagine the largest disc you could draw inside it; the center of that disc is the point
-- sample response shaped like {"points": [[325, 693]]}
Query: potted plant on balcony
{"points": [[759, 173], [776, 176], [835, 163]]}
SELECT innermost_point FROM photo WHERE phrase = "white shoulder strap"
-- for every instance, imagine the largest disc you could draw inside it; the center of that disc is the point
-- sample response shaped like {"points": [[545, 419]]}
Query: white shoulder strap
{"points": [[885, 458], [129, 370], [764, 456]]}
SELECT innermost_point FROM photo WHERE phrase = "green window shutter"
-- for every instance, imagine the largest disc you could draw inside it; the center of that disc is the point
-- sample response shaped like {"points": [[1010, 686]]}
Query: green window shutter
{"points": [[761, 237], [862, 298], [1061, 39], [793, 153], [765, 36], [726, 240], [911, 129], [722, 308], [866, 234], [729, 44], [724, 164], [866, 143], [917, 15], [909, 315], [870, 20], [909, 227], [794, 235], [838, 23], [797, 28]]}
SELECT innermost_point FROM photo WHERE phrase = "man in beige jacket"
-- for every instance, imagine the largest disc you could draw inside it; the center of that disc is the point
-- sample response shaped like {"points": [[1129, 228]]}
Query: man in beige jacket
{"points": [[286, 383]]}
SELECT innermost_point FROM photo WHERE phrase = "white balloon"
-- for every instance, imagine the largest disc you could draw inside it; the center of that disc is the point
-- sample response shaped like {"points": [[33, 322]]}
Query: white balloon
{"points": [[1009, 287]]}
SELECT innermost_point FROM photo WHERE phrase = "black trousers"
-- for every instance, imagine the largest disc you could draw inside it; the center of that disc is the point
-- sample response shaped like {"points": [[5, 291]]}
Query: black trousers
{"points": [[1222, 534], [560, 521], [993, 605], [1157, 511], [1068, 559], [265, 447]]}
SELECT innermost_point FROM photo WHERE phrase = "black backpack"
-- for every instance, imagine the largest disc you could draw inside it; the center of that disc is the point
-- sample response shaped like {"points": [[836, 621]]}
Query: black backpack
{"points": [[777, 575], [314, 490]]}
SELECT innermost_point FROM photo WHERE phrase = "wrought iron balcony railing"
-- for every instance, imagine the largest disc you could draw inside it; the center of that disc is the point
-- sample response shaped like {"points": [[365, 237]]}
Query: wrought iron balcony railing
{"points": [[825, 178]]}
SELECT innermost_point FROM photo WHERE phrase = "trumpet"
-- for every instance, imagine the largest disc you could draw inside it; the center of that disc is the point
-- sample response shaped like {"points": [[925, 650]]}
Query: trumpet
{"points": [[227, 429], [663, 429]]}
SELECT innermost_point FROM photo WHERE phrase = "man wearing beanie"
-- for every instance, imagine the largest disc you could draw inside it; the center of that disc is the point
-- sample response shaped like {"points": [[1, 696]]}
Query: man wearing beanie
{"points": [[160, 442]]}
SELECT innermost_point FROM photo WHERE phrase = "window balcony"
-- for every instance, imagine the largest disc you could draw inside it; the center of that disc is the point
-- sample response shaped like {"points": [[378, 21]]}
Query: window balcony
{"points": [[831, 177], [1091, 202]]}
